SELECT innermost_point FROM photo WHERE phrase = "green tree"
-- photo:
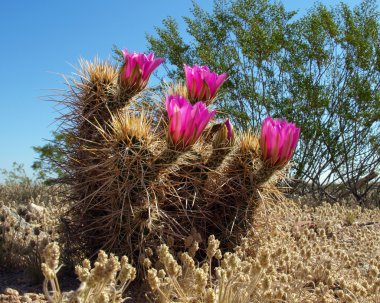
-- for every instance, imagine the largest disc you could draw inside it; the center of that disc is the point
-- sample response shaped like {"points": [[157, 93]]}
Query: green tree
{"points": [[320, 71], [50, 158]]}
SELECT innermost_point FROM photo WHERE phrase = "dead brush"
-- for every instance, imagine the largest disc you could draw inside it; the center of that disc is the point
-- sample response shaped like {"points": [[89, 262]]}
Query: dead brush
{"points": [[302, 254], [105, 281], [236, 278], [25, 229], [132, 187]]}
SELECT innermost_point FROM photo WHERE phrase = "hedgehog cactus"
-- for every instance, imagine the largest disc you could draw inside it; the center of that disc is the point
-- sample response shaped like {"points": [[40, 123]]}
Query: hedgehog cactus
{"points": [[225, 136], [140, 175]]}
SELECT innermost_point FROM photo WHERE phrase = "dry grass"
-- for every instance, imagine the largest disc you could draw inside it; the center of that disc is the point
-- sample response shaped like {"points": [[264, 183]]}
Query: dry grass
{"points": [[328, 253], [301, 254], [29, 220]]}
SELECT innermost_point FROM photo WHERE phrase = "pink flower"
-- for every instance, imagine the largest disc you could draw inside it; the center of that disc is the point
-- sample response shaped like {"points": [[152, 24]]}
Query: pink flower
{"points": [[278, 141], [137, 69], [225, 136], [202, 84], [186, 121], [230, 130]]}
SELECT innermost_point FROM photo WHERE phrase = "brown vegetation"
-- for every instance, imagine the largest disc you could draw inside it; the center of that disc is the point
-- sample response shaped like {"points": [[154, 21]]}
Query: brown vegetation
{"points": [[296, 253]]}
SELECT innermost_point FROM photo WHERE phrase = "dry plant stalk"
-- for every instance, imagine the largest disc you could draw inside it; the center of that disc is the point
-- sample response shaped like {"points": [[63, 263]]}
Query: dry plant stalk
{"points": [[237, 278], [106, 282]]}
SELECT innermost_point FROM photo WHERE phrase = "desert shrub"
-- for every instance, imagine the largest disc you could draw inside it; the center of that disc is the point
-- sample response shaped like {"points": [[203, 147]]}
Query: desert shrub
{"points": [[303, 254], [28, 221], [18, 187], [105, 281]]}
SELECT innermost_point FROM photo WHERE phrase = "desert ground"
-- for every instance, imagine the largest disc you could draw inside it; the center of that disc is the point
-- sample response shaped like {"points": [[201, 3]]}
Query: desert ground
{"points": [[297, 251]]}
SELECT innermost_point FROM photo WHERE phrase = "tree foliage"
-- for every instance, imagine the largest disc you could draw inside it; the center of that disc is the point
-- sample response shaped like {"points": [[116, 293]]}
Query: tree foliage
{"points": [[321, 70], [50, 156]]}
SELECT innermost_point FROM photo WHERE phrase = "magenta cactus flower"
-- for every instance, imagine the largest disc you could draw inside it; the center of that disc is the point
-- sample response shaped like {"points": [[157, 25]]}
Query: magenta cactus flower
{"points": [[186, 121], [137, 69], [202, 84], [278, 141], [230, 130], [225, 135]]}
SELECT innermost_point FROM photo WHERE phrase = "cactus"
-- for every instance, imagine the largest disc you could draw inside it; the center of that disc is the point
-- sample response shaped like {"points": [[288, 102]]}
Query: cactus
{"points": [[140, 175]]}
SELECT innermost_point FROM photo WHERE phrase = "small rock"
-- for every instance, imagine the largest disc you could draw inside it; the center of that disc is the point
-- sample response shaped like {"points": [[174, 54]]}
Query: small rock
{"points": [[34, 208], [35, 298], [32, 296], [11, 292], [9, 299]]}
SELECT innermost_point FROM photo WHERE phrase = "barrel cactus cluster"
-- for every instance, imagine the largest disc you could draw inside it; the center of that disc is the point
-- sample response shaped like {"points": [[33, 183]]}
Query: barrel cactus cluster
{"points": [[168, 171]]}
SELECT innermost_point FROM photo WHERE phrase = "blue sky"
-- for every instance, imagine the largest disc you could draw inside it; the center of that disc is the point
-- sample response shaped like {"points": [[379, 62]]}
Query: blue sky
{"points": [[40, 40]]}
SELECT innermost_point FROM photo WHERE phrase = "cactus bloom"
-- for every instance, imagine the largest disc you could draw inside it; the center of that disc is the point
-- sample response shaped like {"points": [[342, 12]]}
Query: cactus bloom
{"points": [[225, 136], [230, 130], [278, 141], [136, 70], [202, 85], [186, 121]]}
